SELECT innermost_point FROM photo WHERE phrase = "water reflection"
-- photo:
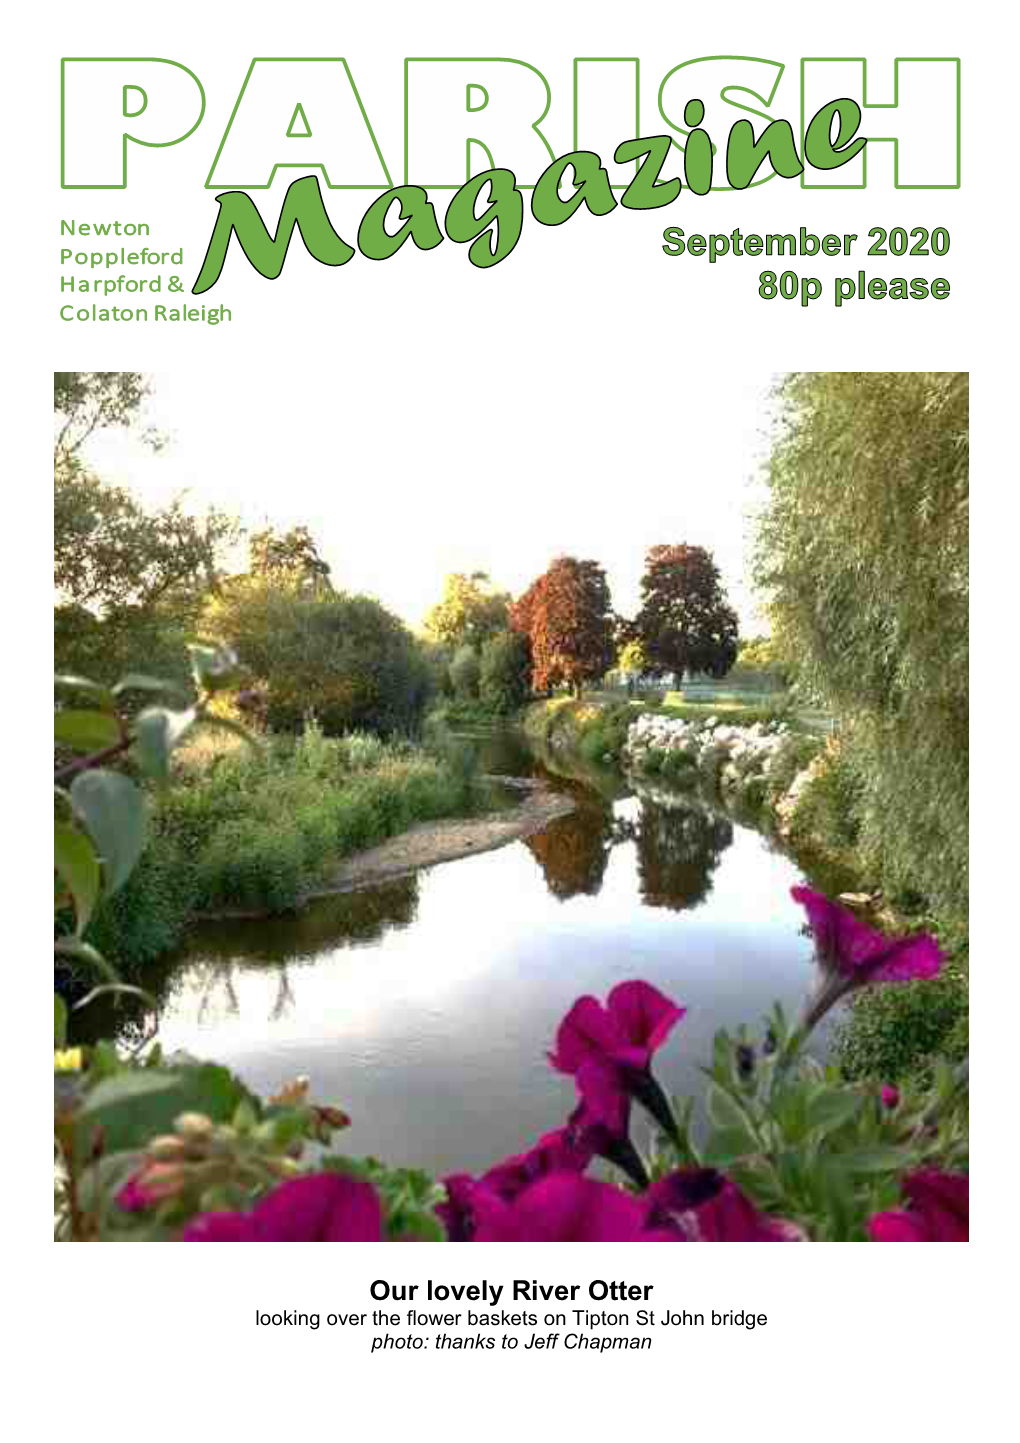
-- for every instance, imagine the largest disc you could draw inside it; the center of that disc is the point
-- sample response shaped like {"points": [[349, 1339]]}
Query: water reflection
{"points": [[573, 851], [207, 970], [425, 1007], [679, 847]]}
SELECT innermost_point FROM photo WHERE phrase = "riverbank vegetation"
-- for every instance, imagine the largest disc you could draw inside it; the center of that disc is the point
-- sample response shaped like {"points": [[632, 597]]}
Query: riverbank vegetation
{"points": [[255, 830], [862, 554]]}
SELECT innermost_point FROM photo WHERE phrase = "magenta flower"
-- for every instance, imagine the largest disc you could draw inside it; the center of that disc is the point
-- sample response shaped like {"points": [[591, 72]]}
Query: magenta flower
{"points": [[701, 1205], [133, 1196], [937, 1211], [609, 1050], [852, 954], [606, 1133], [320, 1208], [561, 1151], [890, 1096], [457, 1213], [564, 1208]]}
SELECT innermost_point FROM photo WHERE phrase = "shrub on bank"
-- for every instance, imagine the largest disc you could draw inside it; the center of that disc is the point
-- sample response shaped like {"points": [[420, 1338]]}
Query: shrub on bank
{"points": [[344, 656], [254, 831], [895, 1033], [595, 730]]}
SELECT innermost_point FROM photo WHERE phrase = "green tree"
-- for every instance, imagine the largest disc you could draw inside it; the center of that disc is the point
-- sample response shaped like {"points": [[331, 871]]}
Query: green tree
{"points": [[505, 672], [470, 611], [87, 401], [108, 550], [465, 673], [289, 558], [862, 554], [343, 658], [130, 581]]}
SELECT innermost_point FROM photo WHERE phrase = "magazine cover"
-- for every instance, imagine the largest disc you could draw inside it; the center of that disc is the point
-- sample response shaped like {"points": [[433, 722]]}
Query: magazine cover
{"points": [[511, 626]]}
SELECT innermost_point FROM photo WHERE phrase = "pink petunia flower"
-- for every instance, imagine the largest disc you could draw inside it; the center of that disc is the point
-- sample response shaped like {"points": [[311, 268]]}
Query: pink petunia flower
{"points": [[320, 1208], [852, 954], [561, 1151], [564, 1208], [937, 1211], [608, 1050], [702, 1205]]}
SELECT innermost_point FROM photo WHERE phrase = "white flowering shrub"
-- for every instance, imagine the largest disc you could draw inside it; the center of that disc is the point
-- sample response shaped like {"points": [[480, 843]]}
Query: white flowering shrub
{"points": [[746, 765]]}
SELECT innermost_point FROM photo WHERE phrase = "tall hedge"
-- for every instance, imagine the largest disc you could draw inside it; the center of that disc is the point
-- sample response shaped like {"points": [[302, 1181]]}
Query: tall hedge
{"points": [[863, 551]]}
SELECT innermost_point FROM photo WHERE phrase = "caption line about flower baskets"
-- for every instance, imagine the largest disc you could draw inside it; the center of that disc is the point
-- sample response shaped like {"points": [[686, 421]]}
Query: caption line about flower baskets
{"points": [[568, 1317]]}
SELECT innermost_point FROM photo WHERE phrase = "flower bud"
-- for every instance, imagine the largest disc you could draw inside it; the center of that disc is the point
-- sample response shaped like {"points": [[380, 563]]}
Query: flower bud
{"points": [[745, 1060], [291, 1093], [332, 1117], [166, 1148], [890, 1096], [194, 1126], [162, 1180]]}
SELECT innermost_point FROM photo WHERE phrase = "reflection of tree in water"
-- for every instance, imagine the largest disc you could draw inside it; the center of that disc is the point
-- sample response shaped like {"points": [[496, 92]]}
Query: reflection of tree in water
{"points": [[679, 846], [573, 851], [220, 952]]}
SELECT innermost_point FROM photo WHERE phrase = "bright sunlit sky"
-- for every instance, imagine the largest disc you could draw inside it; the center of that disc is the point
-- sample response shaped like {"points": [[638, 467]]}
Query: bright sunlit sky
{"points": [[400, 486]]}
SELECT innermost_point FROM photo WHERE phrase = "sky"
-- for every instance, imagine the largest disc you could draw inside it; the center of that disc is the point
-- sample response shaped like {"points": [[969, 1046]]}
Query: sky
{"points": [[401, 480]]}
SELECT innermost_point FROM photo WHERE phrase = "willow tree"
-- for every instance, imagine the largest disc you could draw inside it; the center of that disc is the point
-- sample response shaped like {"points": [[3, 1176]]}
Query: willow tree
{"points": [[862, 553]]}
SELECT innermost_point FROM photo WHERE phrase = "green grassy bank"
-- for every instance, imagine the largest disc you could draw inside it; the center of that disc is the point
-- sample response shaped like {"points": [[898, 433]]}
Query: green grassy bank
{"points": [[255, 830]]}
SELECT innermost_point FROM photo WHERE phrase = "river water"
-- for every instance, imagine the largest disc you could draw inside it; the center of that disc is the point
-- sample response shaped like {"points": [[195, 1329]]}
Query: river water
{"points": [[425, 1007]]}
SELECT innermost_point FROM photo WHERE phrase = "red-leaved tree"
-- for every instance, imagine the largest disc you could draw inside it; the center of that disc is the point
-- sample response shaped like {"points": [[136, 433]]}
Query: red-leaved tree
{"points": [[685, 622], [567, 617]]}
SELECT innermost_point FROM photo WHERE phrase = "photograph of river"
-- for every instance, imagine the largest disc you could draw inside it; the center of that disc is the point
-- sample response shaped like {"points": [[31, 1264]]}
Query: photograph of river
{"points": [[590, 868]]}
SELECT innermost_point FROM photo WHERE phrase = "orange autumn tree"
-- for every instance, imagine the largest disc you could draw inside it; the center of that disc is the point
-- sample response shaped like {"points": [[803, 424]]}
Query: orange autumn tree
{"points": [[568, 619]]}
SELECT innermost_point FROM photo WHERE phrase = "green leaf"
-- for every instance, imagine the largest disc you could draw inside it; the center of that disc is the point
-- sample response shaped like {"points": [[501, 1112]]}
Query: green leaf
{"points": [[59, 1021], [124, 1111], [117, 989], [832, 1108], [138, 1103], [157, 732], [875, 1159], [213, 667], [116, 817], [421, 1227], [77, 865], [85, 731], [138, 681], [84, 952], [102, 695], [727, 1145], [723, 1110]]}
